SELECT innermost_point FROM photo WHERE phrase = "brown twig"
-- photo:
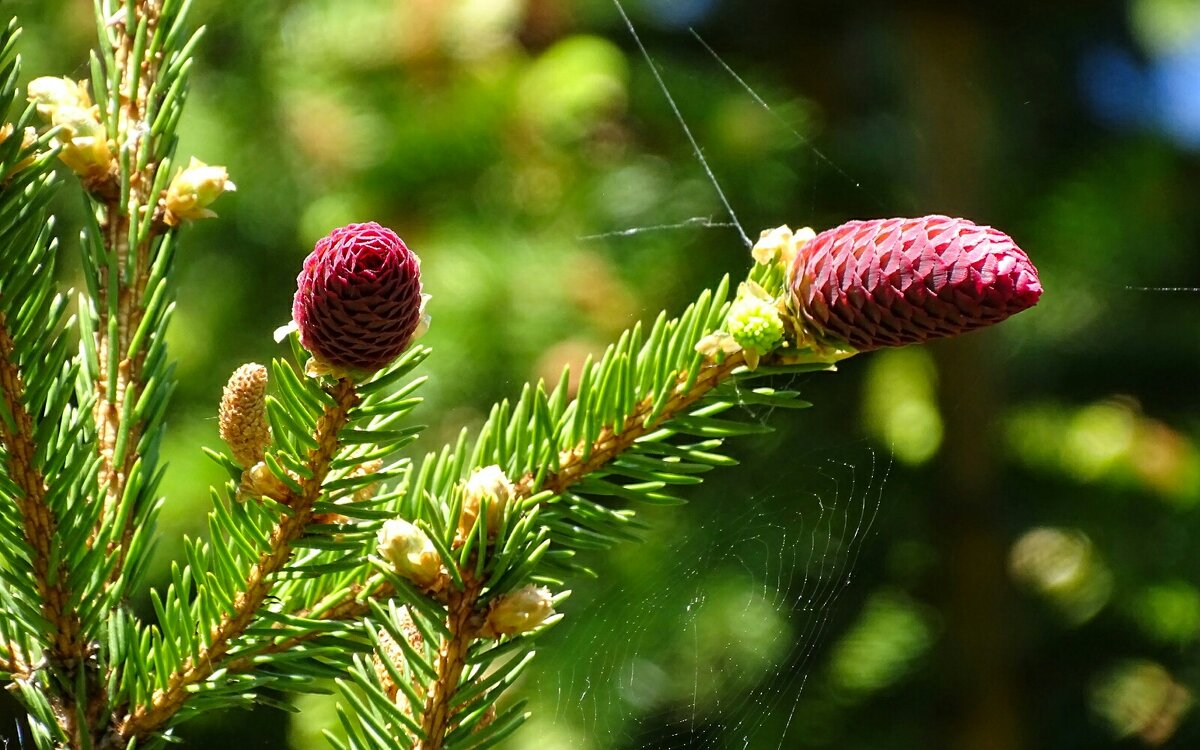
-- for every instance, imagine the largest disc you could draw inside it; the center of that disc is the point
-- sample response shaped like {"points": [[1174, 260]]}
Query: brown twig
{"points": [[68, 649], [463, 622], [146, 719]]}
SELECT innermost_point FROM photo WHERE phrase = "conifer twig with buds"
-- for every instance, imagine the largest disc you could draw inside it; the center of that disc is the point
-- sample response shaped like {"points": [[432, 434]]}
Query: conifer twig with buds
{"points": [[147, 718]]}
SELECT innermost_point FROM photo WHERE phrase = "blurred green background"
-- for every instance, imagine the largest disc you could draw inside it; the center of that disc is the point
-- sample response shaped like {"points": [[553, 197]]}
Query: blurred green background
{"points": [[1031, 578]]}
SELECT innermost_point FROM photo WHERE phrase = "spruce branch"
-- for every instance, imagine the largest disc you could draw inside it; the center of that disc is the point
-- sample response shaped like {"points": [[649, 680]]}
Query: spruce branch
{"points": [[540, 431], [575, 464], [121, 149], [50, 575], [344, 516], [49, 612], [463, 608], [122, 250], [165, 703], [462, 622]]}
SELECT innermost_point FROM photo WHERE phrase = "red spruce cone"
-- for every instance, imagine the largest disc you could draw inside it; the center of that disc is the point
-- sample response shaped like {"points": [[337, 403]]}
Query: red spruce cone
{"points": [[891, 282], [358, 299]]}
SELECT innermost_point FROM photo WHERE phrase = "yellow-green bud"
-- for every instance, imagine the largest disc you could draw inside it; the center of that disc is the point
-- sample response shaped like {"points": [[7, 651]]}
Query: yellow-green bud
{"points": [[771, 243], [411, 554], [193, 189], [491, 485], [754, 322], [781, 245], [84, 143], [66, 105], [518, 612], [51, 95]]}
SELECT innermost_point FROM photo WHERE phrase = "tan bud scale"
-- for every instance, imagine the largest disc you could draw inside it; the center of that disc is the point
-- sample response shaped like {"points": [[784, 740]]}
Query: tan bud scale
{"points": [[487, 485], [518, 612]]}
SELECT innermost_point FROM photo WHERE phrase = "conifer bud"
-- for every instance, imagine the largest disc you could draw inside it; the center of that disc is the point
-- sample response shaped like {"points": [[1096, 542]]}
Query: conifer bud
{"points": [[780, 245], [260, 481], [411, 554], [84, 142], [242, 418], [358, 301], [192, 191], [85, 148], [518, 612], [891, 282], [754, 322], [51, 95], [487, 485]]}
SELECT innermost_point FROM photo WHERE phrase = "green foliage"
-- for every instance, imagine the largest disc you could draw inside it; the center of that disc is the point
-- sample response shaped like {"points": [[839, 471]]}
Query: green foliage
{"points": [[284, 593], [46, 473], [505, 170]]}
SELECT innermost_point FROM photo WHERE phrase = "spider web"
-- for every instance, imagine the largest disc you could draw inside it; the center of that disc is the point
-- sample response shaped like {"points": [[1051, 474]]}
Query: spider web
{"points": [[705, 635]]}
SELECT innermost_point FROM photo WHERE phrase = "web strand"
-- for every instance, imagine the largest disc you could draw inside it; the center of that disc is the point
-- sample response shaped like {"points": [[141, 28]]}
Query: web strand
{"points": [[794, 131], [683, 124], [700, 222], [1184, 289]]}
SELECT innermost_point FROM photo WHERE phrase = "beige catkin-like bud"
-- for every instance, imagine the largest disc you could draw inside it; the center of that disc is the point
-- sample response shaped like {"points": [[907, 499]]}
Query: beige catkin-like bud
{"points": [[518, 612], [243, 414], [411, 554], [491, 485], [85, 147], [52, 95]]}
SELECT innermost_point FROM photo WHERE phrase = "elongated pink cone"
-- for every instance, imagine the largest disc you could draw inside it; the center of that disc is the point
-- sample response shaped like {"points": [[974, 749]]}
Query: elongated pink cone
{"points": [[358, 299], [891, 282]]}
